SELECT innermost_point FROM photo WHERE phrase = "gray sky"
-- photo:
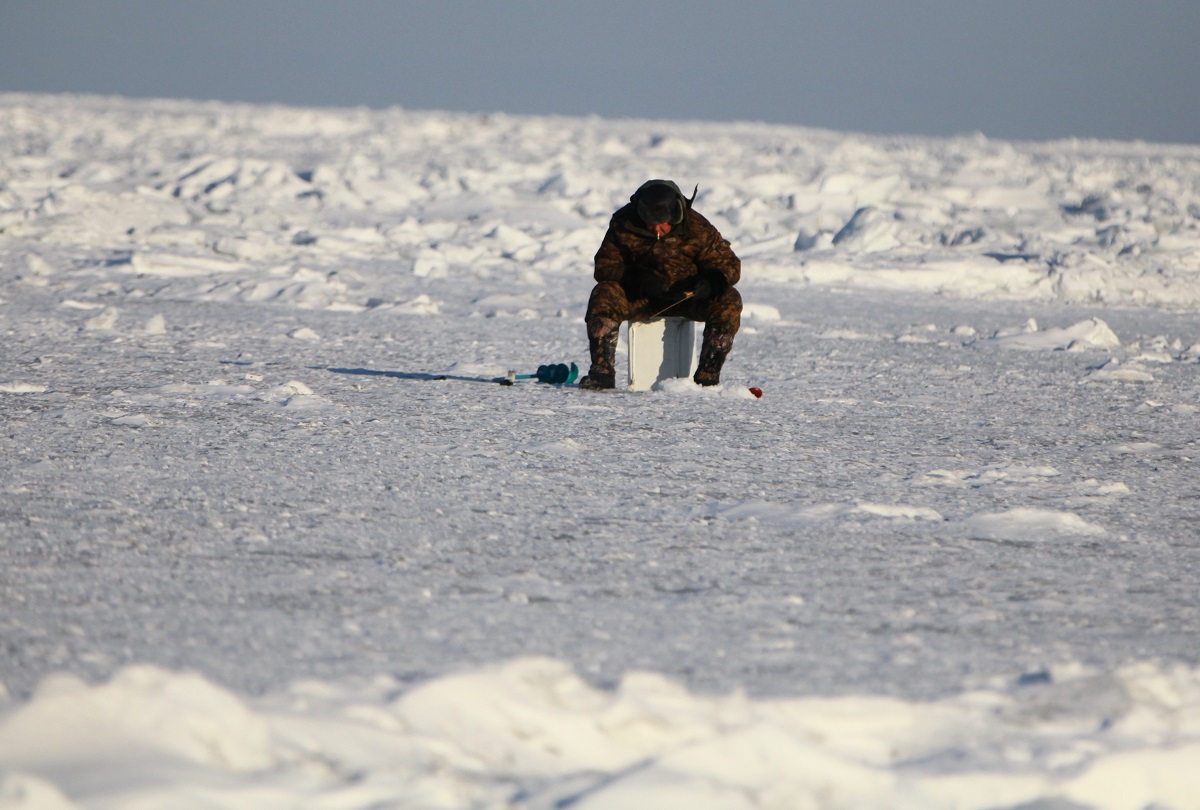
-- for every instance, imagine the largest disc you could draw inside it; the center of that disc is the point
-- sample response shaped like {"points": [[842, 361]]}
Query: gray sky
{"points": [[1022, 69]]}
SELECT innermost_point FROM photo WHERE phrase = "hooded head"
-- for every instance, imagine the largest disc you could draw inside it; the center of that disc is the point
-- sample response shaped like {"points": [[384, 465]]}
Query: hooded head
{"points": [[660, 205]]}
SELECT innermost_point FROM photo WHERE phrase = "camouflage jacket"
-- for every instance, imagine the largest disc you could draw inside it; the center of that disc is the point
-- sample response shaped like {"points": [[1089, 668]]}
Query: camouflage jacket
{"points": [[648, 267]]}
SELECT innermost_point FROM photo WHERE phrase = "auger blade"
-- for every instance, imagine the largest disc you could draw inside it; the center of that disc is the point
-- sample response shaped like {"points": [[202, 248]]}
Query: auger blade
{"points": [[553, 373]]}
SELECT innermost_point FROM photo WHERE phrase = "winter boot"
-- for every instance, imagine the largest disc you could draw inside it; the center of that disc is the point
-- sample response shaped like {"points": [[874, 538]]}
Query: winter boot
{"points": [[602, 342], [598, 382], [713, 352]]}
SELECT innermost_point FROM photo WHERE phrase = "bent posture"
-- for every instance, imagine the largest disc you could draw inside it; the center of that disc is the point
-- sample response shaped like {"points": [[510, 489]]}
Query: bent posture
{"points": [[660, 257]]}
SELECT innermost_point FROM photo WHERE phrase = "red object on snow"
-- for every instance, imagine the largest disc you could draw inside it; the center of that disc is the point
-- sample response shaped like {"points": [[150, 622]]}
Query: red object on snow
{"points": [[757, 392]]}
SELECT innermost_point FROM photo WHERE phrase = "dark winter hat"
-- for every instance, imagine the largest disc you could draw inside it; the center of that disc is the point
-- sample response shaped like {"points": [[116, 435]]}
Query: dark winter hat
{"points": [[659, 201]]}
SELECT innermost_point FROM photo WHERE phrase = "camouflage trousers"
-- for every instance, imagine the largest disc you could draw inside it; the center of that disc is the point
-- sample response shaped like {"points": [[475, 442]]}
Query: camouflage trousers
{"points": [[610, 306]]}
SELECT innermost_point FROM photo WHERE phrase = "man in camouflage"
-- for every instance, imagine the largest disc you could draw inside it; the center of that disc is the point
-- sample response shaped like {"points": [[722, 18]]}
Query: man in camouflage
{"points": [[660, 257]]}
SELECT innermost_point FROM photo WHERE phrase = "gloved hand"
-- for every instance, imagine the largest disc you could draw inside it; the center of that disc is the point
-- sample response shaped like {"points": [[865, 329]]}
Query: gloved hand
{"points": [[702, 288]]}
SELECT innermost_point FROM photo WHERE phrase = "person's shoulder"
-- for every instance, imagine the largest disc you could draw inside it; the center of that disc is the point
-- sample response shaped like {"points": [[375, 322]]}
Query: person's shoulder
{"points": [[621, 216], [700, 223]]}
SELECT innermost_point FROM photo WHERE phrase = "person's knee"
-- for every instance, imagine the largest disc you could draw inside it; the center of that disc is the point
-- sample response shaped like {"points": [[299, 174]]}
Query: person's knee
{"points": [[608, 302], [725, 313]]}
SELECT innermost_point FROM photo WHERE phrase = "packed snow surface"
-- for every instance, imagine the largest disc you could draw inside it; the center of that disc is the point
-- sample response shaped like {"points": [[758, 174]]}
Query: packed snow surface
{"points": [[270, 537]]}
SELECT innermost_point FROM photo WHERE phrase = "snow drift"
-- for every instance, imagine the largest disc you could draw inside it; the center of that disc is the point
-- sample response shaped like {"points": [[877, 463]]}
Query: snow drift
{"points": [[532, 734]]}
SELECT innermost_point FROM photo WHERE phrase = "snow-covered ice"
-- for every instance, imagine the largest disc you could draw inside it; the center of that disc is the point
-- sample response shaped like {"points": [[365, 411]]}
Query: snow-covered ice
{"points": [[533, 734], [270, 538]]}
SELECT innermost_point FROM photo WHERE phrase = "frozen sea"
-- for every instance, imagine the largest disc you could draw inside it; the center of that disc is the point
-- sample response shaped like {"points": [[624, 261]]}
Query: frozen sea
{"points": [[270, 539]]}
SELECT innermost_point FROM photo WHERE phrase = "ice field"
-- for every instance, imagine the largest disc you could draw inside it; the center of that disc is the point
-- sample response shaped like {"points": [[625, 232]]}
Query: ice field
{"points": [[255, 554]]}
